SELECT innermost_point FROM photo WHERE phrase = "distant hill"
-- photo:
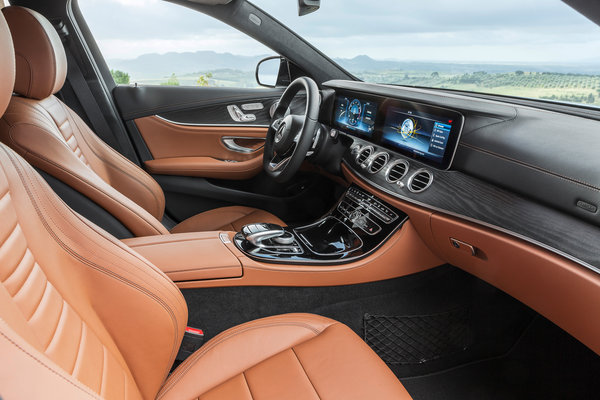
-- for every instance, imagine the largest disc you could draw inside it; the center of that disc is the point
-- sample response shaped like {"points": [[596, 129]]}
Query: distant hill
{"points": [[365, 63], [156, 66]]}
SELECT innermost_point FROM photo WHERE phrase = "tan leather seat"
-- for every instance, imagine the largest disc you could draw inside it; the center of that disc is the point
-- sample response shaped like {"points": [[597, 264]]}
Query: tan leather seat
{"points": [[52, 137], [84, 316]]}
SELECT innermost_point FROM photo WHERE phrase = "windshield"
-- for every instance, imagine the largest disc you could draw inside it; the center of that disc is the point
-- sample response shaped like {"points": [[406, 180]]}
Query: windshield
{"points": [[539, 49]]}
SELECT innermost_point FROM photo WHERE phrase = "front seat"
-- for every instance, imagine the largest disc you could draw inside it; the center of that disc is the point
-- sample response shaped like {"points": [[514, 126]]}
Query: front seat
{"points": [[83, 316], [53, 138]]}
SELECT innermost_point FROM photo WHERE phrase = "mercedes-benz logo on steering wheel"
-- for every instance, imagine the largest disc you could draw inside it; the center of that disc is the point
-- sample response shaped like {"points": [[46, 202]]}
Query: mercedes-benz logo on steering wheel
{"points": [[279, 133]]}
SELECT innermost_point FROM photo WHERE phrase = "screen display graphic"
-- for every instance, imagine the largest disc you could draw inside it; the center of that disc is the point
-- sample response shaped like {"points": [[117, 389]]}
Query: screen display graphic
{"points": [[355, 115], [418, 133]]}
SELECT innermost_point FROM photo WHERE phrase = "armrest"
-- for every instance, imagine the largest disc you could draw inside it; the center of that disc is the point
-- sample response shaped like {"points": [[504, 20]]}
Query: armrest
{"points": [[188, 256], [206, 167]]}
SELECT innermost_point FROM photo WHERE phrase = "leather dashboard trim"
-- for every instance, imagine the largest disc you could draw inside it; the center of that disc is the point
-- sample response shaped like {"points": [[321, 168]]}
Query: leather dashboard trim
{"points": [[403, 254]]}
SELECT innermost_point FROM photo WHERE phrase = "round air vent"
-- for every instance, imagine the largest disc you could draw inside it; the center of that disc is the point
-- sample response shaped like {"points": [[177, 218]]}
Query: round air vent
{"points": [[378, 162], [420, 180], [396, 171], [363, 155]]}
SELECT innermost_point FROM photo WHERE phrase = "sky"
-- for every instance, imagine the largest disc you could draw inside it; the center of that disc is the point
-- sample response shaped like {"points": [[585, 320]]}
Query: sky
{"points": [[499, 31]]}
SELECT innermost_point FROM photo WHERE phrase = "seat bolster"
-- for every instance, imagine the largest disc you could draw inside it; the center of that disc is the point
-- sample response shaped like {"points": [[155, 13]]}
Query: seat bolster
{"points": [[226, 219], [26, 130], [295, 356]]}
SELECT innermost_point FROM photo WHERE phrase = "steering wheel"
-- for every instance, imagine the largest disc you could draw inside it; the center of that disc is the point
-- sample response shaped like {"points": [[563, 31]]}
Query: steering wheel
{"points": [[290, 137]]}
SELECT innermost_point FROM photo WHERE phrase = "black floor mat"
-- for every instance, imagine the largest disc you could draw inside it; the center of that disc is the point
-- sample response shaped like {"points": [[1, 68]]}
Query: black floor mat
{"points": [[546, 363]]}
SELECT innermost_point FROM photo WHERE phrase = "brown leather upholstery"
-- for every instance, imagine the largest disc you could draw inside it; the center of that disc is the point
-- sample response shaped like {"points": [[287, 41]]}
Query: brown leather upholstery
{"points": [[37, 78], [102, 319], [292, 356], [86, 305], [225, 219], [52, 137], [7, 65]]}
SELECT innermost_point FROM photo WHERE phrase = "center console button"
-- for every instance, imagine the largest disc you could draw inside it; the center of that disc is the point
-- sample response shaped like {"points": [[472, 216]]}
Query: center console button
{"points": [[284, 239]]}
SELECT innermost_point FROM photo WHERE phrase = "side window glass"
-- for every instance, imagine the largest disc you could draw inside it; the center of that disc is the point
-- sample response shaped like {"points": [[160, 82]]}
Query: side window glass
{"points": [[153, 42]]}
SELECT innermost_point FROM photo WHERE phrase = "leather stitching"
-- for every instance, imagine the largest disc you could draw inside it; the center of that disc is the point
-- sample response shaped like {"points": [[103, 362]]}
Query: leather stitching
{"points": [[97, 267], [191, 361], [45, 365], [68, 172], [305, 372], [126, 162]]}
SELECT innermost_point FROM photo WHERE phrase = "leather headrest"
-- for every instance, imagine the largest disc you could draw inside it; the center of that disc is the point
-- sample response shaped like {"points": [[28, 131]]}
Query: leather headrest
{"points": [[7, 65], [41, 63]]}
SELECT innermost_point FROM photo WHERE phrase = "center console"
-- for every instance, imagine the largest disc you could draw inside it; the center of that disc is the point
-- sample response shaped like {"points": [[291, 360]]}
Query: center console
{"points": [[357, 225]]}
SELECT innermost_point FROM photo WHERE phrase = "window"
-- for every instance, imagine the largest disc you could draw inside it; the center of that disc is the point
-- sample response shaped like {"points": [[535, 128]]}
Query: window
{"points": [[540, 49], [154, 42]]}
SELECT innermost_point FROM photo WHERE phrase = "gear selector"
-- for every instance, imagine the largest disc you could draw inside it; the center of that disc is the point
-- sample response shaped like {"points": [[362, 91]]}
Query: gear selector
{"points": [[270, 237]]}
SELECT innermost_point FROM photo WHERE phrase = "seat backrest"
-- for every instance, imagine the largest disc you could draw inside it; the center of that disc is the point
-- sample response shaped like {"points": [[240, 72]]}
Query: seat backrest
{"points": [[81, 315], [52, 137]]}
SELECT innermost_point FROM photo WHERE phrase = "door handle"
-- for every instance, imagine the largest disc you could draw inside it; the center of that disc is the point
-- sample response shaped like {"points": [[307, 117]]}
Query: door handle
{"points": [[238, 115], [230, 144]]}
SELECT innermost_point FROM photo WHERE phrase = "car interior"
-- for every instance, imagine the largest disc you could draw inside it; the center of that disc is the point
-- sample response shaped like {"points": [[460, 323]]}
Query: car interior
{"points": [[322, 237]]}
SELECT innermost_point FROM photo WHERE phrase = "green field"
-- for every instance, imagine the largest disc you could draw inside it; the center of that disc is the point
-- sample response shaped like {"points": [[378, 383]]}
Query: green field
{"points": [[576, 88]]}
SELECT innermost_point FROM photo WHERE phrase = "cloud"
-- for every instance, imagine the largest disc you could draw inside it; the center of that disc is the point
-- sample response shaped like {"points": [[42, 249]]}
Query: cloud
{"points": [[436, 30]]}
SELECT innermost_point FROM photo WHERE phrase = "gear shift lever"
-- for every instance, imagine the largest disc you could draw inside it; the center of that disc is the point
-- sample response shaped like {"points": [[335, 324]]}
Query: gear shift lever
{"points": [[258, 233]]}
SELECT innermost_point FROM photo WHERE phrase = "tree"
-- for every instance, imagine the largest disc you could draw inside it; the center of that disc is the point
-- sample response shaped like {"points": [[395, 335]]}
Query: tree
{"points": [[519, 72], [204, 80], [172, 81], [435, 74], [591, 99], [120, 77]]}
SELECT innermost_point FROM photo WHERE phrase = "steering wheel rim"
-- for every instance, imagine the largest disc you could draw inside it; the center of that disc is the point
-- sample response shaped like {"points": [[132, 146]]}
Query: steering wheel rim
{"points": [[290, 137]]}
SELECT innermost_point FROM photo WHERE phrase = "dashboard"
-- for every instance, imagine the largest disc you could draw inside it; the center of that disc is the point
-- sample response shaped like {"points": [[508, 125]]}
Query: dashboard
{"points": [[502, 165], [422, 132]]}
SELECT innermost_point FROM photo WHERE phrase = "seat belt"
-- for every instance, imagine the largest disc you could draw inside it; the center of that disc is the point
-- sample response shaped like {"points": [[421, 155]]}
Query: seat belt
{"points": [[86, 98]]}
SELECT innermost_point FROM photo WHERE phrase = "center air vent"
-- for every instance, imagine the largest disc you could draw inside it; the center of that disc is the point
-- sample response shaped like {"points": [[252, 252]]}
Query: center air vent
{"points": [[378, 162], [420, 180], [363, 155], [396, 171]]}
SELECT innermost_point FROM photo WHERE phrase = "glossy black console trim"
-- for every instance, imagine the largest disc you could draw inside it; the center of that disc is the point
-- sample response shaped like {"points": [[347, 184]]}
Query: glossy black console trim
{"points": [[309, 258], [466, 197]]}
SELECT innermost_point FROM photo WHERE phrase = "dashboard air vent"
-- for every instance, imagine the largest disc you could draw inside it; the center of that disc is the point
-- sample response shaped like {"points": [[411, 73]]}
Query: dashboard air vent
{"points": [[420, 180], [378, 162], [364, 154], [396, 171]]}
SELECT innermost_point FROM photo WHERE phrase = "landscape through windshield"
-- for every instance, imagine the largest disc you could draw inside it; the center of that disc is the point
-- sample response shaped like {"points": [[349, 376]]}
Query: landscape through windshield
{"points": [[540, 49]]}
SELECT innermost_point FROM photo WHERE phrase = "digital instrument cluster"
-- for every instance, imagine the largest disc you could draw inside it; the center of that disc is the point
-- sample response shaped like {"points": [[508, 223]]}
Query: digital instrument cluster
{"points": [[427, 133]]}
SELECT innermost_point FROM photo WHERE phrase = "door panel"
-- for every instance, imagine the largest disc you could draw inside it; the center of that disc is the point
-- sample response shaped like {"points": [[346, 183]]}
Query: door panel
{"points": [[186, 104], [204, 158], [224, 152]]}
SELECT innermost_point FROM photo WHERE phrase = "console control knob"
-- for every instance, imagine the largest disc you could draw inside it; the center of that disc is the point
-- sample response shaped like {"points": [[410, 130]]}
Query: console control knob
{"points": [[285, 239]]}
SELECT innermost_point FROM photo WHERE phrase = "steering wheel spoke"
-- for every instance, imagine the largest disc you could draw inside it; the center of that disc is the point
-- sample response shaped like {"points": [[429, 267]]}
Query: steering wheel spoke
{"points": [[278, 163], [290, 136]]}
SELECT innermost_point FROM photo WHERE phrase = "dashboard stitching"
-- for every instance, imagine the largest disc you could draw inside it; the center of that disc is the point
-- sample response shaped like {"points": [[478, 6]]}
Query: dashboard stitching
{"points": [[537, 168]]}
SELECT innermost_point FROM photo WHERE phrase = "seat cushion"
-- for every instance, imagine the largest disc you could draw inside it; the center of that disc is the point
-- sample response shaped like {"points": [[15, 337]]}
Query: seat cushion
{"points": [[291, 356], [225, 219]]}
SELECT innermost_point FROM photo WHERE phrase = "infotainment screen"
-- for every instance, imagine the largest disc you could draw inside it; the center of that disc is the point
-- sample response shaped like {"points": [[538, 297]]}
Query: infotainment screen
{"points": [[423, 135], [355, 115]]}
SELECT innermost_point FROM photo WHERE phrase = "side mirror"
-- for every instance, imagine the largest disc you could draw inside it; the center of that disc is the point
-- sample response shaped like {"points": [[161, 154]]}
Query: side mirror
{"points": [[273, 72], [308, 6]]}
